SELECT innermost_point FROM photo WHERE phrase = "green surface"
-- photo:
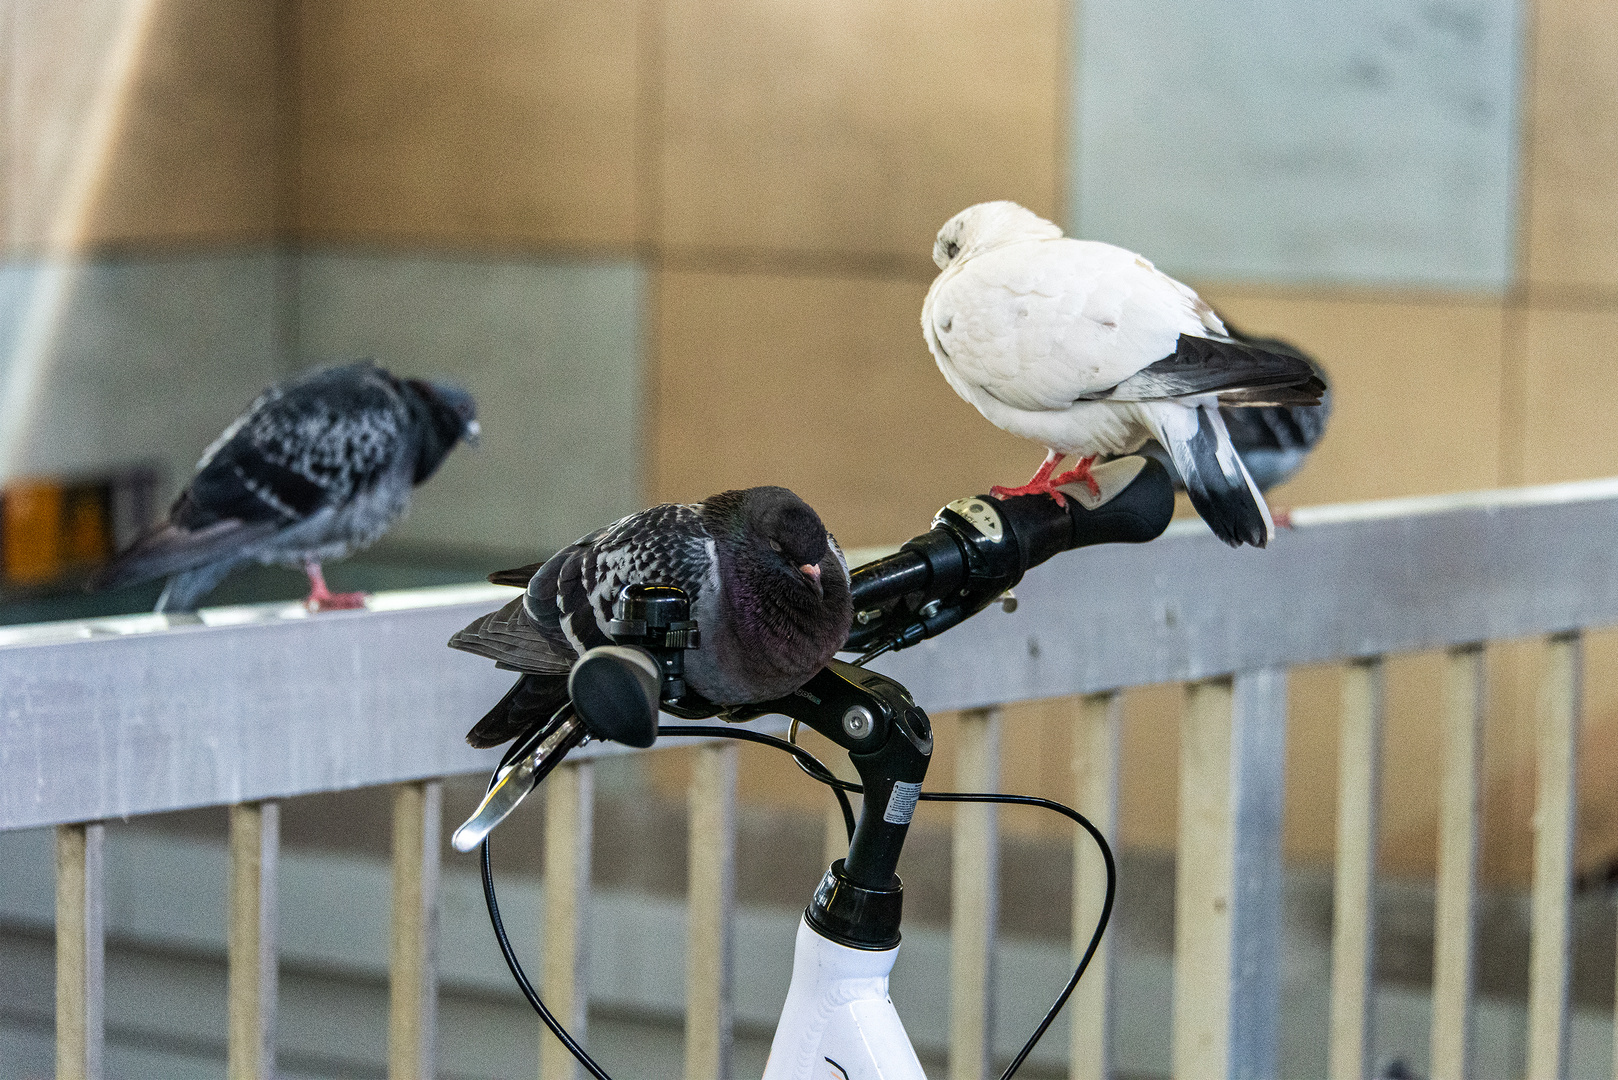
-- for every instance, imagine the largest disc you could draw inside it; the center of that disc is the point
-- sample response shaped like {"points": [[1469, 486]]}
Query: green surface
{"points": [[253, 584]]}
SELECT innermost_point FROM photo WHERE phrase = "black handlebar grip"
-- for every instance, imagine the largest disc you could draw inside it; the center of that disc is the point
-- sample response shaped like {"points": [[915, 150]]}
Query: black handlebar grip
{"points": [[1136, 514]]}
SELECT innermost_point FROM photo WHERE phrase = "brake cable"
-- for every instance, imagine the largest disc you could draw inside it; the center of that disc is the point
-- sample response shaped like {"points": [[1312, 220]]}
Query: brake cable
{"points": [[818, 771]]}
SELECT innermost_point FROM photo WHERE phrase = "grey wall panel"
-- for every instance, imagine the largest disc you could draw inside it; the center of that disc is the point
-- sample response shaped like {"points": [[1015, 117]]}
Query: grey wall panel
{"points": [[113, 361], [552, 350], [1301, 140]]}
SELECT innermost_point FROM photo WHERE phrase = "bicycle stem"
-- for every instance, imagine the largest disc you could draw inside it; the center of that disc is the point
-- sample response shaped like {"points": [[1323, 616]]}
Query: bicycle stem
{"points": [[889, 740]]}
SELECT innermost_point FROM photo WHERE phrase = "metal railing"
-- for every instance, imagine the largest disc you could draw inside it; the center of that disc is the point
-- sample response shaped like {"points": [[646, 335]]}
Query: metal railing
{"points": [[248, 707]]}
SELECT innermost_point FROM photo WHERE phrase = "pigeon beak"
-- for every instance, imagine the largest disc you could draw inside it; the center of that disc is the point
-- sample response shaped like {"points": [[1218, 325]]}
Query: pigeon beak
{"points": [[472, 432], [812, 572]]}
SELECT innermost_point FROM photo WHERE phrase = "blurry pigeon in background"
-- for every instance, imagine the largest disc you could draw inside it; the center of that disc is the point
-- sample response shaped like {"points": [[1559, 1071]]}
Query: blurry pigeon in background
{"points": [[1090, 350], [318, 466], [767, 583], [1273, 441]]}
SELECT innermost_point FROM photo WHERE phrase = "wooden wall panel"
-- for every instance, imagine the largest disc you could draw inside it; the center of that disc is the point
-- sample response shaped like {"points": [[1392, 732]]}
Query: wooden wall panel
{"points": [[1571, 191], [852, 126], [1570, 394], [142, 123], [821, 384], [1417, 385], [496, 125]]}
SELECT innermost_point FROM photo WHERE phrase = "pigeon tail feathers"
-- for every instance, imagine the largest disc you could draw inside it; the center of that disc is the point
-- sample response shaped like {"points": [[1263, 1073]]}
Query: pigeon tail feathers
{"points": [[1220, 487], [186, 589], [532, 700], [170, 549]]}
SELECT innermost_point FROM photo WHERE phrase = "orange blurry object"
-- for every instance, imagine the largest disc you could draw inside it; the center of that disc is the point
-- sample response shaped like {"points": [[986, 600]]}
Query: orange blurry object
{"points": [[33, 532], [52, 528]]}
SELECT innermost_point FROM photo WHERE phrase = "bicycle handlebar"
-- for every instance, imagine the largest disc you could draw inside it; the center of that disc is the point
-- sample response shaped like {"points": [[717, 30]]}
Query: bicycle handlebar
{"points": [[980, 547]]}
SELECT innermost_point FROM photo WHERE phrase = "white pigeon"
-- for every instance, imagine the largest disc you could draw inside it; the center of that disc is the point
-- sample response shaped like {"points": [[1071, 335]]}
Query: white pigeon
{"points": [[1090, 350]]}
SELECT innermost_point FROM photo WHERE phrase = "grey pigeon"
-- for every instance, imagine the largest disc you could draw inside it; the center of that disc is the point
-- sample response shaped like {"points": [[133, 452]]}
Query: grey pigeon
{"points": [[768, 587], [1273, 441], [318, 466]]}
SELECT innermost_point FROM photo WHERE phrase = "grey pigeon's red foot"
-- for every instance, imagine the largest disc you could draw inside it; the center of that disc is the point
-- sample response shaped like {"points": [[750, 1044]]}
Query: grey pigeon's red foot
{"points": [[321, 598]]}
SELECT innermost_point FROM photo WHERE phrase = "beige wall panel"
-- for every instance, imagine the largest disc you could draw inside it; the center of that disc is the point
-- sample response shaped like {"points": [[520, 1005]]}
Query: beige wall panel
{"points": [[143, 123], [1149, 755], [1570, 379], [820, 384], [1572, 196], [499, 124], [1417, 385], [855, 125]]}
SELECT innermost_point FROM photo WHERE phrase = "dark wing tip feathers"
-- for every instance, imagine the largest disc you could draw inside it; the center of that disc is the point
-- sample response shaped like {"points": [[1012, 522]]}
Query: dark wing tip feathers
{"points": [[1230, 509], [532, 700], [519, 577], [1239, 373]]}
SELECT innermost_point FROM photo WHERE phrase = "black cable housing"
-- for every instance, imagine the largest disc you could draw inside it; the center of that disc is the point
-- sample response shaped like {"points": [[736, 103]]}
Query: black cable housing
{"points": [[818, 771]]}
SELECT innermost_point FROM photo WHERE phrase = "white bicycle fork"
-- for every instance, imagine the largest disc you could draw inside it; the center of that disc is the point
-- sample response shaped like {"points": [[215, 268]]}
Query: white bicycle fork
{"points": [[838, 1022]]}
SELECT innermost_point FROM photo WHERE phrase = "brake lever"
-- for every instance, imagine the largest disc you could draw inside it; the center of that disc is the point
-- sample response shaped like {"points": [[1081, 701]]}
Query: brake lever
{"points": [[530, 759]]}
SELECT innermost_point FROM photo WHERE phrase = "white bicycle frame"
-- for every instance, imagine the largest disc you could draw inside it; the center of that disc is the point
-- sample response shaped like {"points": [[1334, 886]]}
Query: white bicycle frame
{"points": [[838, 1022]]}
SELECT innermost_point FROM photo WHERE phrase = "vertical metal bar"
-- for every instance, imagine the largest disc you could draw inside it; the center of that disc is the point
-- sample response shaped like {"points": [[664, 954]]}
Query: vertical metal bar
{"points": [[1202, 869], [1555, 802], [1228, 878], [80, 952], [1095, 775], [1457, 863], [974, 897], [413, 950], [1359, 784], [255, 835], [710, 902], [569, 826], [1258, 786]]}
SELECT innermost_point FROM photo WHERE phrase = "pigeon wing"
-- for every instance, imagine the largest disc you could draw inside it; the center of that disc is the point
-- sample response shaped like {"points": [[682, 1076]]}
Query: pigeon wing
{"points": [[512, 641], [1040, 325], [662, 545], [311, 443], [1239, 373]]}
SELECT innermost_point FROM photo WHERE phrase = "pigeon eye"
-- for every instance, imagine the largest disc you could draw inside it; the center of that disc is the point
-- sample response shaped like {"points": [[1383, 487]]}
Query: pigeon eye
{"points": [[952, 249], [775, 546]]}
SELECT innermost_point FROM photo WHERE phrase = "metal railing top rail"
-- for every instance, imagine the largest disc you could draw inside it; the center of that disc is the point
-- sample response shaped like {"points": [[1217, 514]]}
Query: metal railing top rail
{"points": [[143, 714], [1352, 580]]}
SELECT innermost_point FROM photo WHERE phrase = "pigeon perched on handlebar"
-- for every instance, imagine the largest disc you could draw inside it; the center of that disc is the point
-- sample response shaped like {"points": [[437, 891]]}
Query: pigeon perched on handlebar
{"points": [[1273, 441], [767, 583], [1089, 350], [318, 466]]}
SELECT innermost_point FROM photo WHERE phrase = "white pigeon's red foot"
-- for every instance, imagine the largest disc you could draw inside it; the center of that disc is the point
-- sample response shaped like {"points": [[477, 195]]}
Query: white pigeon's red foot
{"points": [[1044, 483], [1282, 518], [1040, 485], [1044, 487], [1079, 474], [321, 598]]}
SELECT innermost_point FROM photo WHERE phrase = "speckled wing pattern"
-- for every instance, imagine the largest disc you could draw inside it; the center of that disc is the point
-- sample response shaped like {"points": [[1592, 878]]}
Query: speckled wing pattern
{"points": [[313, 443], [664, 545], [568, 602]]}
